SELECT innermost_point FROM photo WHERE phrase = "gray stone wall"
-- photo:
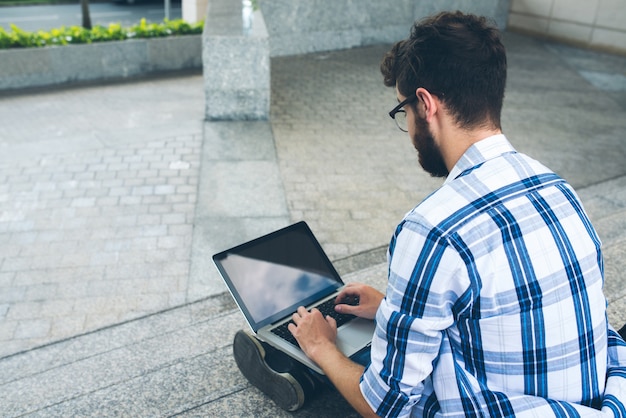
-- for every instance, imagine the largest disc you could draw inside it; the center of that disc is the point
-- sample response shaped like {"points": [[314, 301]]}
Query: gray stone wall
{"points": [[303, 26], [37, 67]]}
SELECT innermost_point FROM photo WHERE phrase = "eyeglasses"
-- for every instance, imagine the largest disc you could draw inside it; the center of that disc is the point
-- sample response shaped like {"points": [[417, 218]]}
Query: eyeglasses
{"points": [[399, 114]]}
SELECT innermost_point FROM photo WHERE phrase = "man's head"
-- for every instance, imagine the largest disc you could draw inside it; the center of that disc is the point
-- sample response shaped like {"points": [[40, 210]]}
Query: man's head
{"points": [[457, 57]]}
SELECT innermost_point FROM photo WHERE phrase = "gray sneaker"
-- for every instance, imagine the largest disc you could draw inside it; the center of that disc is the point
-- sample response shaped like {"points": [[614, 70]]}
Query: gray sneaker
{"points": [[282, 379]]}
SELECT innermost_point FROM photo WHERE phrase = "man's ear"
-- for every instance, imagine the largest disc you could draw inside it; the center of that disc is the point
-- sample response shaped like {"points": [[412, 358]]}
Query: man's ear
{"points": [[430, 104]]}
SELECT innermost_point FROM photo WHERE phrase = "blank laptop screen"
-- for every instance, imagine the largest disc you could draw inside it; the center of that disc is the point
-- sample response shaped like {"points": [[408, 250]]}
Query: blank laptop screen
{"points": [[273, 275]]}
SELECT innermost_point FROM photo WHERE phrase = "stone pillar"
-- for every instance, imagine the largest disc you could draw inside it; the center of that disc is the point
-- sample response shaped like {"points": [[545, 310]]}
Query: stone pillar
{"points": [[194, 10], [236, 62]]}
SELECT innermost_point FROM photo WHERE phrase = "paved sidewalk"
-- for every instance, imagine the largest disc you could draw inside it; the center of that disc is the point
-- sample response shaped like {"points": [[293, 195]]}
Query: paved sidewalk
{"points": [[97, 199], [114, 197]]}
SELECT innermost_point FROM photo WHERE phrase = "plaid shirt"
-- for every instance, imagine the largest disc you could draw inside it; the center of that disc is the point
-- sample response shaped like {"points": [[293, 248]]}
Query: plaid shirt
{"points": [[494, 305]]}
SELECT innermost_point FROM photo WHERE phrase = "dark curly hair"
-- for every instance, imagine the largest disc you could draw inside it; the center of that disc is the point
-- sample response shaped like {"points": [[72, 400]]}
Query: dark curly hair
{"points": [[458, 57]]}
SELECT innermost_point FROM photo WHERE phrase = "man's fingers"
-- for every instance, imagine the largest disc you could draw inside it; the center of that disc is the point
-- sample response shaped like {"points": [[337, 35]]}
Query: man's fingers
{"points": [[297, 316], [345, 308]]}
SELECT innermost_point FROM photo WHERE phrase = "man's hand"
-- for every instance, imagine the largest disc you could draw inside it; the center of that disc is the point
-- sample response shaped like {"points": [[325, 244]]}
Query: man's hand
{"points": [[368, 300], [316, 336], [314, 333]]}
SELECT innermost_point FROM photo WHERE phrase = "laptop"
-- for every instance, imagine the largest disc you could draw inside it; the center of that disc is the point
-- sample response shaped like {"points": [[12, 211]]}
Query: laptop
{"points": [[271, 276]]}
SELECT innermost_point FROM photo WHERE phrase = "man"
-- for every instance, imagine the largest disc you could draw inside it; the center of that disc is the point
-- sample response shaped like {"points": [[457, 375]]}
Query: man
{"points": [[494, 303]]}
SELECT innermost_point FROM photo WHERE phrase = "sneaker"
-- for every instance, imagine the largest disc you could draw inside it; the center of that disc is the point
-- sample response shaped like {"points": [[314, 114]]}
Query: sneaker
{"points": [[272, 372]]}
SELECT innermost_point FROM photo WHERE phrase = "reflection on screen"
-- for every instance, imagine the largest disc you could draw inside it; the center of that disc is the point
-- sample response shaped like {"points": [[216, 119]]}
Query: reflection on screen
{"points": [[268, 288]]}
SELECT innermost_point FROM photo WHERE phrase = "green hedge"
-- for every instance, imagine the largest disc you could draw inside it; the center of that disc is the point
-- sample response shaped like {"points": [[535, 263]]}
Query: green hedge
{"points": [[18, 38]]}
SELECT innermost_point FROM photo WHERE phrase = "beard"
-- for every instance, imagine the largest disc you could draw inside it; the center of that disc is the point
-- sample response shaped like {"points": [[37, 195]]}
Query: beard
{"points": [[429, 155]]}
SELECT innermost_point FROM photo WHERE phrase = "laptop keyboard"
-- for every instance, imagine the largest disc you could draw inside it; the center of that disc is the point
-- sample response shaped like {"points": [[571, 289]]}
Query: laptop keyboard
{"points": [[326, 308]]}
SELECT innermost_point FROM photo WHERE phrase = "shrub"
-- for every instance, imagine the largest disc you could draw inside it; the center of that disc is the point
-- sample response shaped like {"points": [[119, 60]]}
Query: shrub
{"points": [[17, 38]]}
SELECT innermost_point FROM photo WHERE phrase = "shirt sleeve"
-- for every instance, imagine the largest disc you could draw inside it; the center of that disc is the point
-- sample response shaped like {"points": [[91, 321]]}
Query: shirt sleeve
{"points": [[426, 278], [615, 389]]}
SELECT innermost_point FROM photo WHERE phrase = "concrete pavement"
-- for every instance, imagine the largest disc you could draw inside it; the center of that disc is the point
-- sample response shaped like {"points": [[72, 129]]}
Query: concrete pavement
{"points": [[97, 202], [113, 198]]}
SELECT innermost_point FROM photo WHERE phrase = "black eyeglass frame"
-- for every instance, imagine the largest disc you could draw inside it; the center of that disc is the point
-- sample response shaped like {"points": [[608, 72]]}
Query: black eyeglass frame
{"points": [[399, 108], [403, 103]]}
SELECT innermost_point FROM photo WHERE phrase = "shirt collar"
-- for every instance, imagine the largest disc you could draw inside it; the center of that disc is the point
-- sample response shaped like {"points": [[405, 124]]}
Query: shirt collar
{"points": [[479, 152]]}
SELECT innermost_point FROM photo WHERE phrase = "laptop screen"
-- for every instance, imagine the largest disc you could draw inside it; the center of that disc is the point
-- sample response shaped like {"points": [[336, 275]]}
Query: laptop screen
{"points": [[271, 276]]}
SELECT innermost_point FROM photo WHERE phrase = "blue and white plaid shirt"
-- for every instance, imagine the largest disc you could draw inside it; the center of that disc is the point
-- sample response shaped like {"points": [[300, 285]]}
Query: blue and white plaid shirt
{"points": [[494, 305]]}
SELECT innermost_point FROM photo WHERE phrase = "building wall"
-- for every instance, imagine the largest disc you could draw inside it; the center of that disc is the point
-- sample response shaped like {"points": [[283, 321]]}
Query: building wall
{"points": [[303, 26], [597, 24]]}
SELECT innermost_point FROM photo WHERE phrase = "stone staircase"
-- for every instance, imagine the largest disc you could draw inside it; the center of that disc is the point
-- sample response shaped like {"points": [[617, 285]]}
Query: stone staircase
{"points": [[174, 363]]}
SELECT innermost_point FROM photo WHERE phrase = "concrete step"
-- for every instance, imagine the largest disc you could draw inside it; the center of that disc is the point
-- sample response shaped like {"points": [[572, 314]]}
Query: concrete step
{"points": [[177, 362]]}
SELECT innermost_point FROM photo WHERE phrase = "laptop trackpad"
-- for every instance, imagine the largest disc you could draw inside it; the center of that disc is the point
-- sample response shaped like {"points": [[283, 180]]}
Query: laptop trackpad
{"points": [[355, 335]]}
